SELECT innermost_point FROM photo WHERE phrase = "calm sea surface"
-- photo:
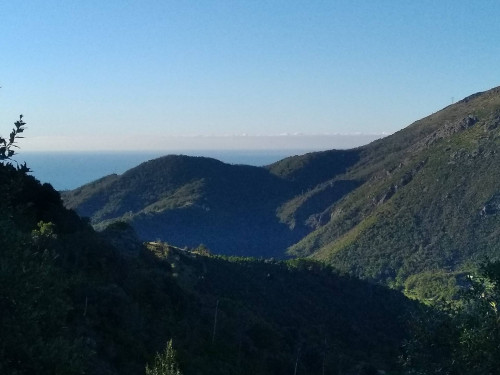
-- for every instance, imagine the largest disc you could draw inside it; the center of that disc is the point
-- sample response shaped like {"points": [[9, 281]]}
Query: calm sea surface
{"points": [[69, 170]]}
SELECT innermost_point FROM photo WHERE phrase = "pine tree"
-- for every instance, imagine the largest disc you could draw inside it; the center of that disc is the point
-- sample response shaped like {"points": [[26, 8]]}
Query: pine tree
{"points": [[165, 363]]}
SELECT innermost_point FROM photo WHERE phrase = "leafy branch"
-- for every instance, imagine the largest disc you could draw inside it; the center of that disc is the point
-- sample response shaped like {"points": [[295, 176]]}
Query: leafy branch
{"points": [[7, 145]]}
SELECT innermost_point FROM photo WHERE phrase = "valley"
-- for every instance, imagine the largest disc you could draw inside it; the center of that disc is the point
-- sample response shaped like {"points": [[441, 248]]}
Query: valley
{"points": [[379, 259], [418, 200]]}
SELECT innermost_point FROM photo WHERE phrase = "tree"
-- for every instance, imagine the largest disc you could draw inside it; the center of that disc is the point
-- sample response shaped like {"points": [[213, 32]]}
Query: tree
{"points": [[165, 363], [34, 305], [464, 338], [7, 144]]}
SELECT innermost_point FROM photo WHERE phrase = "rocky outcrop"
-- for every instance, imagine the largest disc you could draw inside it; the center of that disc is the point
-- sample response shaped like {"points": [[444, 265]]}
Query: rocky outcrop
{"points": [[403, 181], [446, 131], [492, 206]]}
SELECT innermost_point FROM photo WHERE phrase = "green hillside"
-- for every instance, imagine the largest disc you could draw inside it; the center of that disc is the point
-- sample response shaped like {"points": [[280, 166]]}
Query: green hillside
{"points": [[424, 198], [192, 200], [75, 301], [429, 203]]}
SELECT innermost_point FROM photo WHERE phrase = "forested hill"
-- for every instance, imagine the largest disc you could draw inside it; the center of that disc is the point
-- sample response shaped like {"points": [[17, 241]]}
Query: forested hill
{"points": [[75, 301], [193, 200], [425, 198]]}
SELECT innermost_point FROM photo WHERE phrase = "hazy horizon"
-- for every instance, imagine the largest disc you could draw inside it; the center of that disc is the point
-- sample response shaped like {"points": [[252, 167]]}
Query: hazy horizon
{"points": [[127, 75], [312, 142]]}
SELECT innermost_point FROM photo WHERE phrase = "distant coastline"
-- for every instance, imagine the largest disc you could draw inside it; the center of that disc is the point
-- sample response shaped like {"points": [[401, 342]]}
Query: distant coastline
{"points": [[66, 170]]}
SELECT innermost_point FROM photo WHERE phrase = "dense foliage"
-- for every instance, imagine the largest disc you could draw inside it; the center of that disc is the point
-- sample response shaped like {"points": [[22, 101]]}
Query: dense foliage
{"points": [[34, 304], [464, 338], [72, 302], [429, 201], [192, 200]]}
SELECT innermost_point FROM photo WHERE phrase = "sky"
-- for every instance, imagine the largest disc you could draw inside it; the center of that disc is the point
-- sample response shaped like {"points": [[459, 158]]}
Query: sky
{"points": [[126, 75]]}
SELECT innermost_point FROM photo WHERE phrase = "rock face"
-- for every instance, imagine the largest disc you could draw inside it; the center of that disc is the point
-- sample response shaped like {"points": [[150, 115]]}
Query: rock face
{"points": [[492, 207], [403, 181], [448, 129]]}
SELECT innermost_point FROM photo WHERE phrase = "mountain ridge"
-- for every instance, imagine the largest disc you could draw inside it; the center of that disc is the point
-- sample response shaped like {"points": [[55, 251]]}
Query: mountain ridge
{"points": [[337, 205], [461, 149]]}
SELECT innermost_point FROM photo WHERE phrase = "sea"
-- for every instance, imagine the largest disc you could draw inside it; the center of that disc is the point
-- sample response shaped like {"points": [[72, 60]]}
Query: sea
{"points": [[69, 170]]}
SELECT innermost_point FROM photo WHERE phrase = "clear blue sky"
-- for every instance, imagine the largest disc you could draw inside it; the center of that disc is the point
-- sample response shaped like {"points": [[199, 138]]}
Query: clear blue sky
{"points": [[128, 72]]}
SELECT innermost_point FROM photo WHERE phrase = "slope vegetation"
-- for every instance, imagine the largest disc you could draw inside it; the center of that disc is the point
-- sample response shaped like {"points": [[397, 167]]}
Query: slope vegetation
{"points": [[425, 198], [75, 301], [194, 200], [430, 200]]}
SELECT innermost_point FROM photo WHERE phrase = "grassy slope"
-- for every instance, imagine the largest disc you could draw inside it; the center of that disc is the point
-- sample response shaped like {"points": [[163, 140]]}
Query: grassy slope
{"points": [[380, 158], [421, 206]]}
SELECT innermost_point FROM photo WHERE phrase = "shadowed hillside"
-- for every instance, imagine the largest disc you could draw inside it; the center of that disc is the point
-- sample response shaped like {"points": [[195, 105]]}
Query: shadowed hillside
{"points": [[193, 200], [76, 301]]}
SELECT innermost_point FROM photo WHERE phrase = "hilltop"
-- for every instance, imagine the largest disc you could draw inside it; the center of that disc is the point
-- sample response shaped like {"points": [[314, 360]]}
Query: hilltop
{"points": [[195, 200]]}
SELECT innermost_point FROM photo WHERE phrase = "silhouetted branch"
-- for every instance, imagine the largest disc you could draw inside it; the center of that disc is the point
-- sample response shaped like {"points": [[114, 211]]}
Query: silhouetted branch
{"points": [[7, 145]]}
